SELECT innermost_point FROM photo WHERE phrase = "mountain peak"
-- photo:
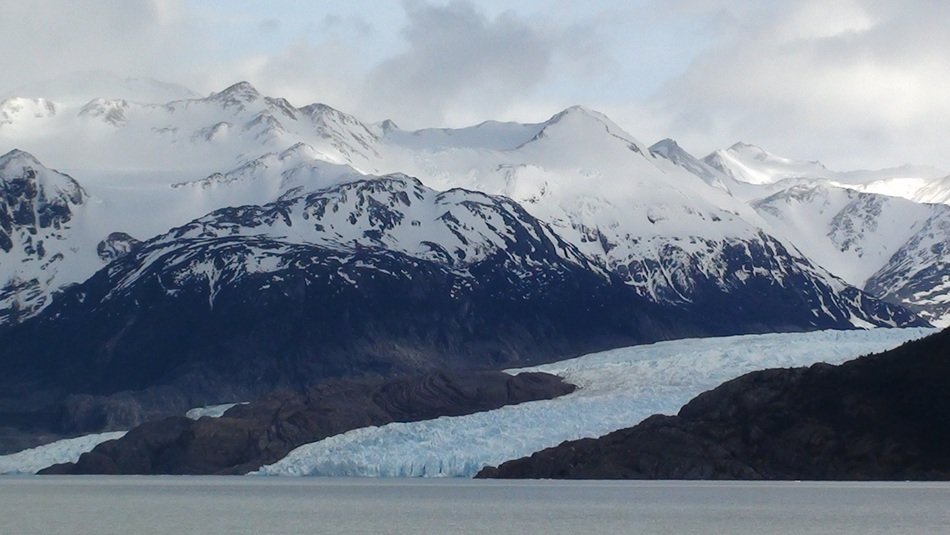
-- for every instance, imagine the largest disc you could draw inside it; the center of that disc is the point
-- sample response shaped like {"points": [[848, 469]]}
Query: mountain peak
{"points": [[575, 117], [388, 125], [241, 92], [19, 158], [753, 164], [577, 111], [742, 145], [666, 148]]}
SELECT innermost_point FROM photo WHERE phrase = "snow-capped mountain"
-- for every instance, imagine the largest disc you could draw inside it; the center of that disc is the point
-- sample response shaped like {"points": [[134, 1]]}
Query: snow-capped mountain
{"points": [[381, 275], [37, 211], [753, 165], [672, 237], [852, 233], [889, 246], [749, 164]]}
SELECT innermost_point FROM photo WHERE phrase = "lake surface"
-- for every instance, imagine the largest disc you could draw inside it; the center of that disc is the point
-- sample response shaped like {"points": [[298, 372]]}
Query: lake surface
{"points": [[249, 505]]}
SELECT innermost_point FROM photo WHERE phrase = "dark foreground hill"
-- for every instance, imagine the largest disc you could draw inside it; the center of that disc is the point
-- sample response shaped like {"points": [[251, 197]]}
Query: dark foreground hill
{"points": [[880, 417], [249, 436]]}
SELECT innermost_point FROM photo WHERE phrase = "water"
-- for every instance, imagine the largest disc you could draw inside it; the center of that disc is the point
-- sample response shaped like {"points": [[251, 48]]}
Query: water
{"points": [[235, 505]]}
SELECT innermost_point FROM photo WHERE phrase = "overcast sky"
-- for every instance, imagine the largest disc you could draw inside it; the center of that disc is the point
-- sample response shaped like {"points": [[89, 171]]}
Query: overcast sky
{"points": [[854, 83]]}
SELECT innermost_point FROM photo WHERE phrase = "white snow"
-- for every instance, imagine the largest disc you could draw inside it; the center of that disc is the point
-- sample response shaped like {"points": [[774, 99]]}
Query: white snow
{"points": [[211, 411], [618, 389]]}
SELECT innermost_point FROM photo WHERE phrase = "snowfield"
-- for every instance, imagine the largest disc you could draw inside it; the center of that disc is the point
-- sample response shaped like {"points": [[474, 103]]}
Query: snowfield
{"points": [[618, 389]]}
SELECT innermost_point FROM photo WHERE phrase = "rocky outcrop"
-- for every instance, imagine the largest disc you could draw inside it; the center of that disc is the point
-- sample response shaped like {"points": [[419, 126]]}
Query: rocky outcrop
{"points": [[882, 417], [116, 245], [249, 436]]}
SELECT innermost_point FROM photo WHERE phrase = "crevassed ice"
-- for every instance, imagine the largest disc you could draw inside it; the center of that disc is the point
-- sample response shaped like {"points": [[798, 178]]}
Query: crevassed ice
{"points": [[618, 389]]}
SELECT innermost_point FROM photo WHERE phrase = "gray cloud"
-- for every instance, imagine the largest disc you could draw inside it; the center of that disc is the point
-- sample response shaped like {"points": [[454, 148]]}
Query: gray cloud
{"points": [[852, 82], [269, 25], [48, 38], [458, 62]]}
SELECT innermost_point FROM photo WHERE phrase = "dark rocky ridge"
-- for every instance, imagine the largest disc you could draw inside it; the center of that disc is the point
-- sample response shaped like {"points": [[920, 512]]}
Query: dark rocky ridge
{"points": [[249, 436], [881, 417]]}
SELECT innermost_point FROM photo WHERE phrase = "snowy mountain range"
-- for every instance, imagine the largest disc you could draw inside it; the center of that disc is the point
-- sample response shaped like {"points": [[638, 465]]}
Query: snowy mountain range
{"points": [[639, 211], [226, 224]]}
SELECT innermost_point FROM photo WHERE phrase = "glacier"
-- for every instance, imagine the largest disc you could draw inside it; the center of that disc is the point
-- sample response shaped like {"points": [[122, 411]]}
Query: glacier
{"points": [[617, 389], [68, 450]]}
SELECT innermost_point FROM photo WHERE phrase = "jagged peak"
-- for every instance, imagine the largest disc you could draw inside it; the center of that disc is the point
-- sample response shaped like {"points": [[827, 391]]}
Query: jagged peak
{"points": [[18, 164], [242, 91], [19, 158], [667, 147], [319, 109]]}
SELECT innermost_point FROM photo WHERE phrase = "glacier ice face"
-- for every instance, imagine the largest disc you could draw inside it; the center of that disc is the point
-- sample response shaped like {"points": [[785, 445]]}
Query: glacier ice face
{"points": [[618, 389]]}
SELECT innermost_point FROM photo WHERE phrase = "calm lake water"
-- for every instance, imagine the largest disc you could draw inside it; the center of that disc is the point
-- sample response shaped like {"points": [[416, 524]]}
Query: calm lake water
{"points": [[236, 505]]}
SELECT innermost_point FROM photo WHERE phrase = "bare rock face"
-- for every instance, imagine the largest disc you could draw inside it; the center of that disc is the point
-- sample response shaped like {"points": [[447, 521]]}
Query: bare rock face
{"points": [[249, 436], [882, 417], [116, 245]]}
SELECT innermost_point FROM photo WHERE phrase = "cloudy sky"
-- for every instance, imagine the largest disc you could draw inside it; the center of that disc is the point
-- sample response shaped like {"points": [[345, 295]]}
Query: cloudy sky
{"points": [[854, 83]]}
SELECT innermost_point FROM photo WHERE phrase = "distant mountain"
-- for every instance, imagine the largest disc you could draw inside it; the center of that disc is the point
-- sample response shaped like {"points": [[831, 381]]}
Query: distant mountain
{"points": [[880, 417], [750, 164], [890, 247], [82, 86], [754, 165], [673, 238]]}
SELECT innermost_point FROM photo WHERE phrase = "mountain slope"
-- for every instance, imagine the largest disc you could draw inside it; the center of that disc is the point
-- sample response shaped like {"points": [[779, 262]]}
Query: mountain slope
{"points": [[849, 233], [890, 247], [38, 207], [378, 276]]}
